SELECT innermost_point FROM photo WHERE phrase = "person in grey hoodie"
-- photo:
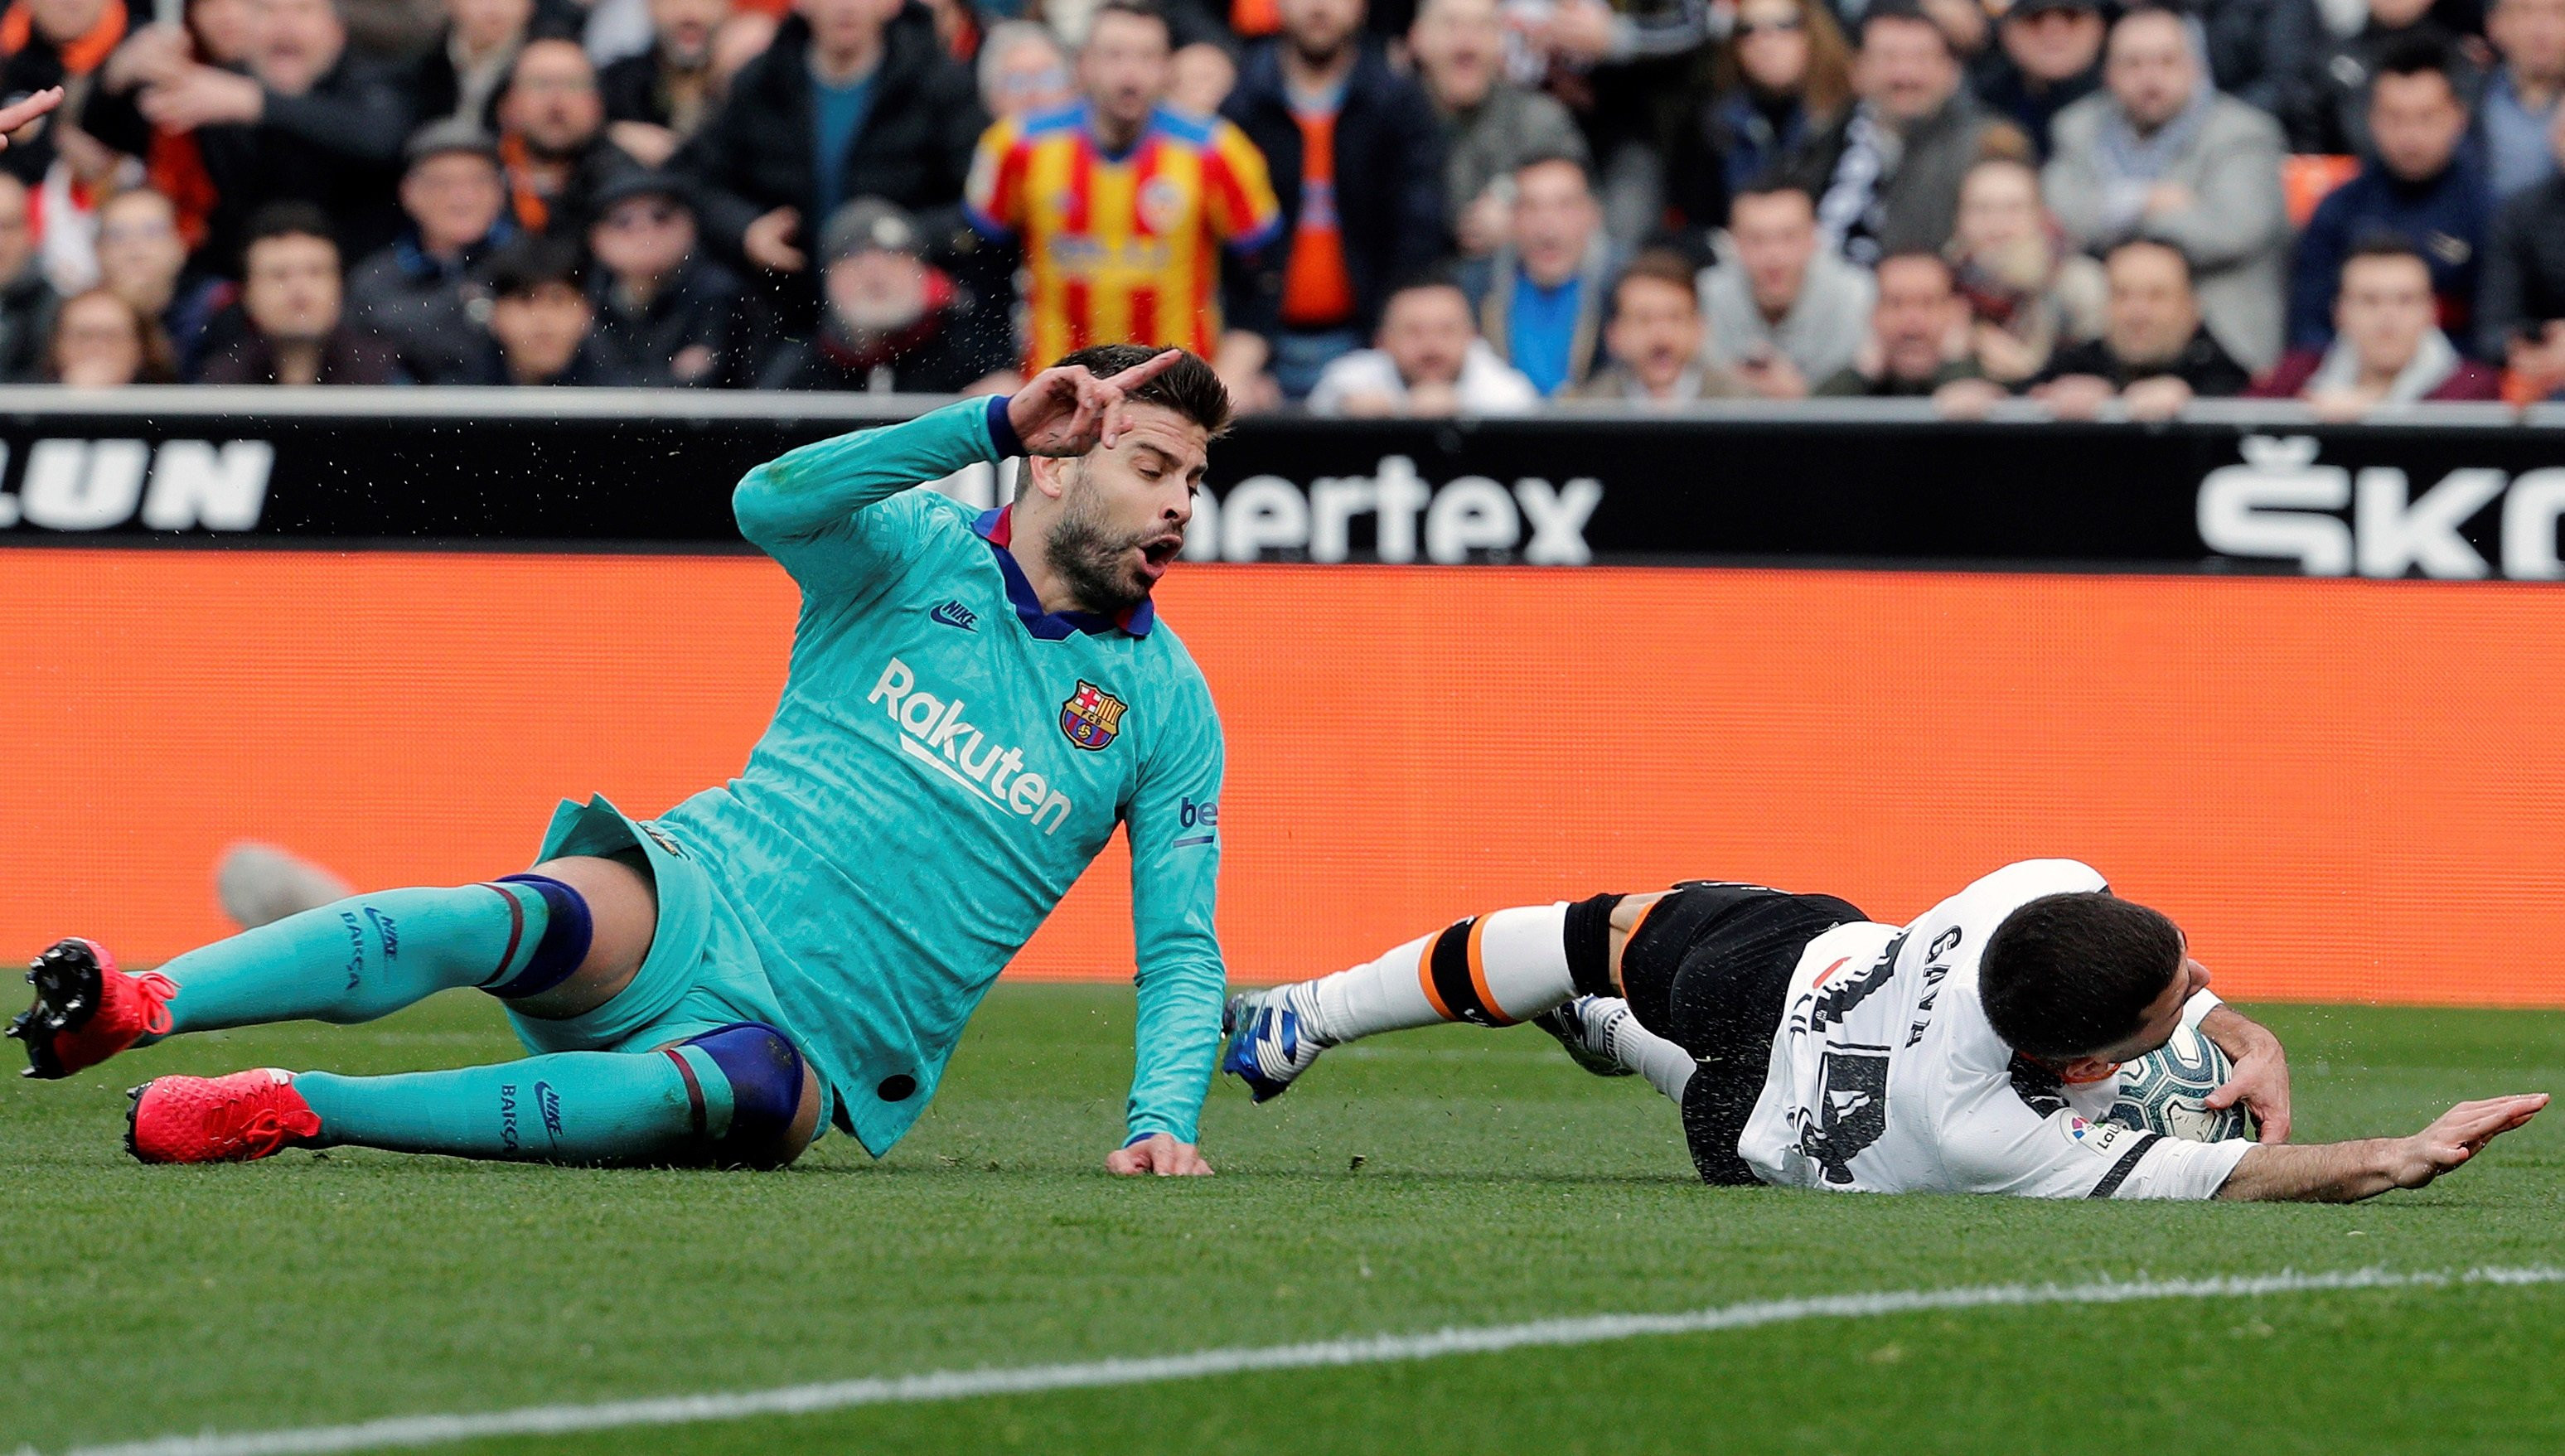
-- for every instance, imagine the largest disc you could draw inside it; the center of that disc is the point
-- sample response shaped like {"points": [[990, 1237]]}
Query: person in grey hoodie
{"points": [[1785, 310], [2158, 154]]}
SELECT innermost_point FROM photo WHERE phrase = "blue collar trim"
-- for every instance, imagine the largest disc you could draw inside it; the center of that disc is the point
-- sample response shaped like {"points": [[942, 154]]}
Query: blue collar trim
{"points": [[998, 529]]}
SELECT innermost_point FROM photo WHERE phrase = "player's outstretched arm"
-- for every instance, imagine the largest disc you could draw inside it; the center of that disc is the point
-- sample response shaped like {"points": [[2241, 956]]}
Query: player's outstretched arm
{"points": [[2261, 1080], [2346, 1172]]}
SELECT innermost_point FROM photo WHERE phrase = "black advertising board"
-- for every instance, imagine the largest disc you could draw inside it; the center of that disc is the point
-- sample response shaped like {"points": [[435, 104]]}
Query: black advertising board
{"points": [[2452, 494]]}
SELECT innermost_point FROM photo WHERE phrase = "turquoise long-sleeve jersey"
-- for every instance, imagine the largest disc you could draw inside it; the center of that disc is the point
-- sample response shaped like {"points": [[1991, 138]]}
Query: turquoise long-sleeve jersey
{"points": [[946, 760]]}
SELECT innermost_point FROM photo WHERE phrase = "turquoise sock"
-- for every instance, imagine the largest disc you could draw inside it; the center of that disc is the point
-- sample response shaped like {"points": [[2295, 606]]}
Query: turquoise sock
{"points": [[363, 957], [565, 1107]]}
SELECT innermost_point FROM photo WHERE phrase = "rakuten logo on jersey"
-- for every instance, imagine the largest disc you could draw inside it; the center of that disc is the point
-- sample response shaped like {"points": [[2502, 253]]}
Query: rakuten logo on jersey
{"points": [[933, 732]]}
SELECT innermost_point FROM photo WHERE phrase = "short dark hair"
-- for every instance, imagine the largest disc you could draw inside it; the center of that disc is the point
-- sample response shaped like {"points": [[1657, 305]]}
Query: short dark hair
{"points": [[2384, 245], [1919, 255], [2071, 975], [1189, 388], [1771, 184], [288, 220], [2417, 56], [1660, 264], [1541, 156], [1138, 10], [530, 263], [1908, 10]]}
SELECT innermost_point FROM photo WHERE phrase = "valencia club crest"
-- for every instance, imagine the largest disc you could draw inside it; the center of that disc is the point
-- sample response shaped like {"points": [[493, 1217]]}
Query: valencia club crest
{"points": [[1092, 716]]}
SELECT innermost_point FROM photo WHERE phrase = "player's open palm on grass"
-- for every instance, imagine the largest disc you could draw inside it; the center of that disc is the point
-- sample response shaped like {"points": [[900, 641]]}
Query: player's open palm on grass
{"points": [[1070, 411]]}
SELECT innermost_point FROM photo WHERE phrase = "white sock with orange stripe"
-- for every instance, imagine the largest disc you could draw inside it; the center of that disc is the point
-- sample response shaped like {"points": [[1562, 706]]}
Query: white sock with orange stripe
{"points": [[1496, 970]]}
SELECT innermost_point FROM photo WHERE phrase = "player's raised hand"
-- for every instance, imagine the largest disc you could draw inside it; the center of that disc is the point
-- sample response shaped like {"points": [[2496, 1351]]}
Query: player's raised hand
{"points": [[2459, 1135], [1158, 1153], [28, 109], [1069, 412]]}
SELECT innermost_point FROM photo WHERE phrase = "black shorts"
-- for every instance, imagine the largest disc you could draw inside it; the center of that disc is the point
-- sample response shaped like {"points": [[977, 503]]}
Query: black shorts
{"points": [[1710, 970]]}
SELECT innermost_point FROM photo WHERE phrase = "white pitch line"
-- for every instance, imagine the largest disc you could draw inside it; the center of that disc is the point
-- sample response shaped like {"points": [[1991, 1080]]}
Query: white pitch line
{"points": [[550, 1420]]}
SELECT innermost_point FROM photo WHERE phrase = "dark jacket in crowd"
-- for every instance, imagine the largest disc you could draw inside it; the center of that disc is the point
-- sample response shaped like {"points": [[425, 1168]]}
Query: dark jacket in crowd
{"points": [[346, 357], [37, 63], [2209, 371], [435, 88], [1736, 139], [2265, 53], [422, 309], [567, 213], [591, 368], [703, 307], [1389, 183], [2524, 272], [1849, 383], [1920, 202], [27, 306], [759, 152], [2450, 219], [960, 342], [337, 146], [2333, 111], [2009, 93]]}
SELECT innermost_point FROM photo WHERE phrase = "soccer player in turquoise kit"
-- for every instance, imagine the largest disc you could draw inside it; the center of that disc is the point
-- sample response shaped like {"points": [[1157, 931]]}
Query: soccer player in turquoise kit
{"points": [[974, 701]]}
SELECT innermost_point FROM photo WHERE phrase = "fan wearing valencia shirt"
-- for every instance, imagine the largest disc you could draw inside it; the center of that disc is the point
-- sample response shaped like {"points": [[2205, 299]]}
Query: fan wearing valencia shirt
{"points": [[1972, 1050], [1124, 207]]}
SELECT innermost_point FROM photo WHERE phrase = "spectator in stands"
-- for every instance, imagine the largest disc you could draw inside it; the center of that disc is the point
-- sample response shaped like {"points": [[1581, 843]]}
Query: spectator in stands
{"points": [[1491, 126], [1919, 329], [1356, 157], [418, 295], [2521, 315], [2388, 347], [1655, 338], [308, 124], [2420, 185], [894, 322], [1209, 197], [2026, 292], [2155, 355], [2519, 103], [2265, 53], [291, 293], [2160, 155], [460, 74], [1021, 72], [2335, 118], [45, 42], [1540, 299], [741, 38], [140, 257], [1426, 361], [656, 99], [27, 300], [1617, 62], [854, 99], [665, 312], [101, 341], [1785, 310], [2052, 58], [542, 326], [1886, 175], [1784, 75], [1200, 78], [553, 149]]}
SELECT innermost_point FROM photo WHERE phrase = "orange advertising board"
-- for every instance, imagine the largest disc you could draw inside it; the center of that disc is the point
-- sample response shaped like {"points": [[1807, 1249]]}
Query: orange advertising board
{"points": [[2342, 790]]}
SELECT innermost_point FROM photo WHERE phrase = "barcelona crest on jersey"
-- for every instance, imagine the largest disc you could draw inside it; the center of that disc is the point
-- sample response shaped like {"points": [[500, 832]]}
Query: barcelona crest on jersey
{"points": [[1092, 716]]}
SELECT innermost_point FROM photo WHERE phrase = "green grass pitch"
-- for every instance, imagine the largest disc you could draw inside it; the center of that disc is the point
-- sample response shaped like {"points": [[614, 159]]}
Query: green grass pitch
{"points": [[1497, 1184]]}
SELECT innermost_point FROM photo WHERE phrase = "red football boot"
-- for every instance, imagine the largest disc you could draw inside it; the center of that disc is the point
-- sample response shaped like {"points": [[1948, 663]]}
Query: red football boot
{"points": [[218, 1119], [86, 1010]]}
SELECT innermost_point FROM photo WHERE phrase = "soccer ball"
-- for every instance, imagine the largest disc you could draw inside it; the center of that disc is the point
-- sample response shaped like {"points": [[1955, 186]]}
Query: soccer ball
{"points": [[2166, 1092]]}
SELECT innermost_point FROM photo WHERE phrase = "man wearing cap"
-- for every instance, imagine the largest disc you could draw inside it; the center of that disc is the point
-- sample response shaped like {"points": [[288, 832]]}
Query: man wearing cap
{"points": [[665, 312], [416, 296], [2051, 57], [893, 322]]}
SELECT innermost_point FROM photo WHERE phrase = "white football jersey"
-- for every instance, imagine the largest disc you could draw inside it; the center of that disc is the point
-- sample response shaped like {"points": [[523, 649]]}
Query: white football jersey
{"points": [[1887, 1078]]}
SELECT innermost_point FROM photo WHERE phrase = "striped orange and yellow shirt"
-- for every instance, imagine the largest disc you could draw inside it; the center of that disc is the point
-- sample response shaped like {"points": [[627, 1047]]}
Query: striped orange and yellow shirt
{"points": [[1121, 249]]}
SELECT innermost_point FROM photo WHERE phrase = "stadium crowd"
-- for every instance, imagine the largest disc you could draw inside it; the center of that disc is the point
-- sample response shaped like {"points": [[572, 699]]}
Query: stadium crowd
{"points": [[1423, 206]]}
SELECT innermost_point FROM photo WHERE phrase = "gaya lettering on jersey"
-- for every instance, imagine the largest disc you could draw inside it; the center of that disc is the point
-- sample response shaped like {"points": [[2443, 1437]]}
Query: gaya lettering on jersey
{"points": [[935, 734]]}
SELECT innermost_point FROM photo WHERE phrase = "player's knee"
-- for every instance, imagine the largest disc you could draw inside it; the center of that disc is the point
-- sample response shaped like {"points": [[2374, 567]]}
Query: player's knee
{"points": [[561, 944], [774, 1096], [1589, 935]]}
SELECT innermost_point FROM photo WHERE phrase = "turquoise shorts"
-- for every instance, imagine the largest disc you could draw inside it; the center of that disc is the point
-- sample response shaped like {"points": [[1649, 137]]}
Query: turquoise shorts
{"points": [[702, 973]]}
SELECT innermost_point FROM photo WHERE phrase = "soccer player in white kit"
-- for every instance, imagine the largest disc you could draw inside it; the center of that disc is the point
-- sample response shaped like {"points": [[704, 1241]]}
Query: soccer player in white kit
{"points": [[1972, 1050]]}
